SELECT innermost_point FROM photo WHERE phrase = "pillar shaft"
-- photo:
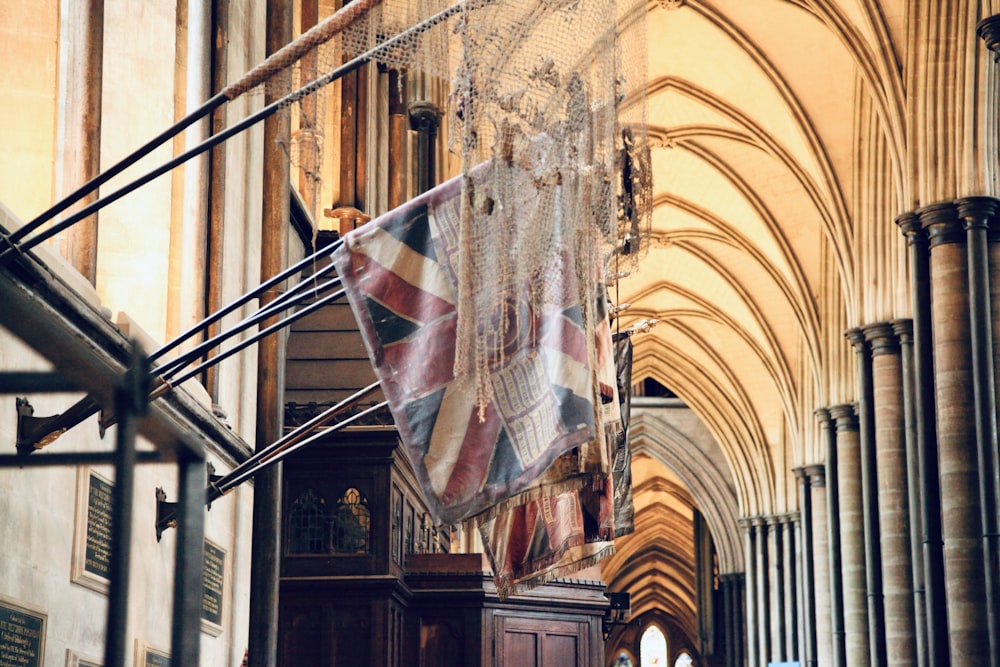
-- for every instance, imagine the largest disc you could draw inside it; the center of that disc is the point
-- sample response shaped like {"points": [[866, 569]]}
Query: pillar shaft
{"points": [[821, 607], [838, 644], [976, 213], [790, 570], [762, 571], [807, 568], [893, 495], [904, 330], [852, 536], [750, 590], [776, 587], [869, 501], [925, 433], [965, 581]]}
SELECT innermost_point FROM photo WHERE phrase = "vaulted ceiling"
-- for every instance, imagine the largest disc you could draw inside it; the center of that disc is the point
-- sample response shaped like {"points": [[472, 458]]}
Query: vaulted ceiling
{"points": [[756, 110]]}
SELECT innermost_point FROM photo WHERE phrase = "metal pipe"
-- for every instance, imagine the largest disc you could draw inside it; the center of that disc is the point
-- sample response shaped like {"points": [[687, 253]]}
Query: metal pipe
{"points": [[277, 451], [264, 113], [285, 301], [260, 335], [130, 400], [185, 640], [252, 294]]}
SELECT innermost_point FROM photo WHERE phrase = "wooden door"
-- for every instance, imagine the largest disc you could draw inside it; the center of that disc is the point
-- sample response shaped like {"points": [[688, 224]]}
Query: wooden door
{"points": [[540, 642]]}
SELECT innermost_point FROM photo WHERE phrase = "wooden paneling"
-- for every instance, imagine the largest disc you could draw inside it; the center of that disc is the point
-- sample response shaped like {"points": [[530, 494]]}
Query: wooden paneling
{"points": [[537, 641]]}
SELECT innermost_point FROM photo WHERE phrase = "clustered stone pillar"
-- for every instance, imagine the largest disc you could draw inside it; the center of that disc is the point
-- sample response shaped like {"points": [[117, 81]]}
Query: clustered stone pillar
{"points": [[869, 502], [761, 569], [893, 494], [821, 604], [750, 590], [837, 643], [732, 586], [807, 567], [976, 214], [772, 588], [852, 536], [935, 619], [965, 581], [904, 330], [789, 618]]}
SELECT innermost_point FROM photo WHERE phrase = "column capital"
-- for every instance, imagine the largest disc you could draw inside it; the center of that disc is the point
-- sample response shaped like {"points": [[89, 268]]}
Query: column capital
{"points": [[424, 115], [856, 337], [989, 31], [909, 224], [882, 338], [822, 414], [980, 212], [941, 222], [846, 416], [903, 329], [817, 475]]}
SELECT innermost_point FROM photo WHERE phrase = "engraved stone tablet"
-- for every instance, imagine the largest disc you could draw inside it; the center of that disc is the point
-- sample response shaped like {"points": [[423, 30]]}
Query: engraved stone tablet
{"points": [[22, 637], [98, 547], [214, 580]]}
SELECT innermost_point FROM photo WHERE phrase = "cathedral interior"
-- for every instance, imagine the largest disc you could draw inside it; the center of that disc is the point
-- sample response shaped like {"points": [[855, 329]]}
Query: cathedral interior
{"points": [[812, 413]]}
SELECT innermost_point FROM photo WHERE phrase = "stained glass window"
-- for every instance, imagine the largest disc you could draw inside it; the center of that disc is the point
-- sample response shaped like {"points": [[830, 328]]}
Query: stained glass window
{"points": [[350, 525], [305, 524]]}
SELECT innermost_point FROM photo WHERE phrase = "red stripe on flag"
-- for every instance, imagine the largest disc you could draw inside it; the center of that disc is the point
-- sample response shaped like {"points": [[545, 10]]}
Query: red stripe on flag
{"points": [[423, 362], [473, 465], [405, 299], [564, 335]]}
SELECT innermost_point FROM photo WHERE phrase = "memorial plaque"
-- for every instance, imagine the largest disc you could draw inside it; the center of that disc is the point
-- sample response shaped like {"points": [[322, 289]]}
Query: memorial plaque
{"points": [[153, 658], [214, 580], [98, 548], [22, 637]]}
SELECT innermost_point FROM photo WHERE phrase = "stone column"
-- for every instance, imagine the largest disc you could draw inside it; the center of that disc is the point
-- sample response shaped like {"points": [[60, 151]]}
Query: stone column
{"points": [[838, 655], [904, 330], [762, 585], [935, 619], [965, 581], [893, 495], [750, 589], [852, 536], [790, 527], [976, 214], [425, 117], [869, 501], [807, 567], [776, 586], [822, 653], [733, 613]]}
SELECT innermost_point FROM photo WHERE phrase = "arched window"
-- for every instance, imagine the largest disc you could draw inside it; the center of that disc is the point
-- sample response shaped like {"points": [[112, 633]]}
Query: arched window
{"points": [[684, 660], [350, 525], [305, 524], [653, 648]]}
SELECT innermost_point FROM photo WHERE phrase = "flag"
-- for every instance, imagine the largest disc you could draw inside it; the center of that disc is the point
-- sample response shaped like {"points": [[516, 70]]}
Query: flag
{"points": [[566, 526], [621, 466], [400, 273]]}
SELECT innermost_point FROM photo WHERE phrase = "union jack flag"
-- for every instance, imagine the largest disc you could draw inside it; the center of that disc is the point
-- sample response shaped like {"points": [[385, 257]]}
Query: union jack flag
{"points": [[400, 274]]}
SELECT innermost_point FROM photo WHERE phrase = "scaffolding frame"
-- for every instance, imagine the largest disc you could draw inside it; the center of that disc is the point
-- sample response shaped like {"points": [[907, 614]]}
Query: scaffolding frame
{"points": [[90, 355]]}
